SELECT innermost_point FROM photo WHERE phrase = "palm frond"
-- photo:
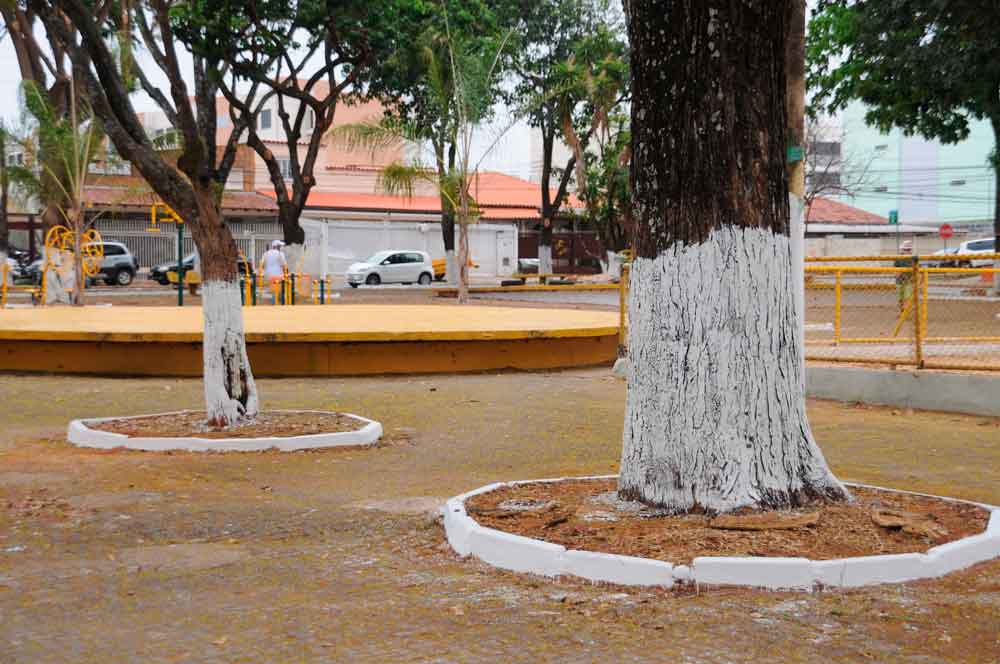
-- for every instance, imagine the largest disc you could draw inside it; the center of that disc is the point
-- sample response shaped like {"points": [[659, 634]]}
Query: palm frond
{"points": [[376, 135], [398, 179]]}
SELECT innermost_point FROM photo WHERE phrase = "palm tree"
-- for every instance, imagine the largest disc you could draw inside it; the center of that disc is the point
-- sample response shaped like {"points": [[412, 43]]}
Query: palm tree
{"points": [[61, 150], [459, 82]]}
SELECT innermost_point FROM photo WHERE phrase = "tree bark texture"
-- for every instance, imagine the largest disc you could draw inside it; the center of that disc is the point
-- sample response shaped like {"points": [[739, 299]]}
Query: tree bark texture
{"points": [[448, 237], [230, 391], [715, 415]]}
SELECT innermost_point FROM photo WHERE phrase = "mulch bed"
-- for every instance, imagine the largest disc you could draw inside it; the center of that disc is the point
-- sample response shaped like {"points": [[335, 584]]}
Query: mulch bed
{"points": [[587, 515], [193, 424]]}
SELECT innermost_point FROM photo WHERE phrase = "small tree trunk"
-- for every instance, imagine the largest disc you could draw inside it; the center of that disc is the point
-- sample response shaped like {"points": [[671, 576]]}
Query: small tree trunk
{"points": [[79, 276], [448, 236], [715, 414], [463, 257], [545, 247], [230, 391], [293, 235]]}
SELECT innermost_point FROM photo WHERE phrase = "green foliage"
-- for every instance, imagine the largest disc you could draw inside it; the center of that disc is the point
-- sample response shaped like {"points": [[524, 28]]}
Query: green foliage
{"points": [[59, 151], [608, 191], [925, 66]]}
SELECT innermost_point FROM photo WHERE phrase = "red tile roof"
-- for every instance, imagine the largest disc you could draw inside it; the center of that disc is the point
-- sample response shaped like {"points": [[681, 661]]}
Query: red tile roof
{"points": [[413, 205], [499, 196], [828, 211], [122, 197]]}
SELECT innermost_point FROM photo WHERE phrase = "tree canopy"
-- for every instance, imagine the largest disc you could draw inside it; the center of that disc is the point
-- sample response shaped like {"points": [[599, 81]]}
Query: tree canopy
{"points": [[926, 67]]}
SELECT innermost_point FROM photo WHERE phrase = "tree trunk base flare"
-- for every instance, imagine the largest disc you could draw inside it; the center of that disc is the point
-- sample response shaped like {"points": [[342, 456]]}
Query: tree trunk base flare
{"points": [[545, 259], [230, 391], [295, 256], [450, 267], [715, 324]]}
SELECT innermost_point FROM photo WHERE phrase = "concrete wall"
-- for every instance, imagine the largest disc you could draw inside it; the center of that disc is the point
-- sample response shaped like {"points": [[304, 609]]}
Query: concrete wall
{"points": [[970, 393], [835, 245], [492, 246]]}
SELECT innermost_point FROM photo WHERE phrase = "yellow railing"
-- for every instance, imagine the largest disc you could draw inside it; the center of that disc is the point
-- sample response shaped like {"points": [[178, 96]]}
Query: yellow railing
{"points": [[941, 317], [899, 310]]}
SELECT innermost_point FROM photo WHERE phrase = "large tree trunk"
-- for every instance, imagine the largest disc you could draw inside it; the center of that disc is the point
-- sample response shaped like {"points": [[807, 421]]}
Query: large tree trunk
{"points": [[293, 235], [230, 391], [715, 415]]}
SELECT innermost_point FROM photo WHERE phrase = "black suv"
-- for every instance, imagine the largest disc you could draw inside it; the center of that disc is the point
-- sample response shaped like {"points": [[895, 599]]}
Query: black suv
{"points": [[158, 273]]}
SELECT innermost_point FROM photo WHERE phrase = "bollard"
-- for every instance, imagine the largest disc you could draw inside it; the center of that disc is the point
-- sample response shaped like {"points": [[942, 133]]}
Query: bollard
{"points": [[322, 291], [293, 288], [243, 295]]}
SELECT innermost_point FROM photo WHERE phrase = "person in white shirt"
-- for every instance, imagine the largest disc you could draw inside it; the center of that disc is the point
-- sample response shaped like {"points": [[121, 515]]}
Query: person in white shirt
{"points": [[273, 264]]}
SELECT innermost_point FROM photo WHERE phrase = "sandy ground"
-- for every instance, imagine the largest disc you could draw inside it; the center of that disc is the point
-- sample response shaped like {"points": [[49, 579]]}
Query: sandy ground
{"points": [[336, 556]]}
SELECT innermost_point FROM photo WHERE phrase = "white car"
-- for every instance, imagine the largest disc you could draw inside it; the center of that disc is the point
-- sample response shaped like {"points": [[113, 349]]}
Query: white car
{"points": [[982, 246], [392, 267]]}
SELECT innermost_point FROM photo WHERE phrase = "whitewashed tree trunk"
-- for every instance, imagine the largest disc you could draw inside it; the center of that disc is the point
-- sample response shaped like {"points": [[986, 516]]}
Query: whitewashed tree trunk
{"points": [[545, 259], [295, 257], [451, 267], [59, 277], [230, 391], [612, 266], [797, 235], [715, 416]]}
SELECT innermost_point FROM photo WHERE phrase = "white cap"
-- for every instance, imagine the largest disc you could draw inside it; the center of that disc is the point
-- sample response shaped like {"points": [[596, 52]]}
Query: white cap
{"points": [[277, 244]]}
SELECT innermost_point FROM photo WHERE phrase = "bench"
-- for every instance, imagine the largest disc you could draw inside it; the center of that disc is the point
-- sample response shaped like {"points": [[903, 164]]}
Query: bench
{"points": [[543, 278]]}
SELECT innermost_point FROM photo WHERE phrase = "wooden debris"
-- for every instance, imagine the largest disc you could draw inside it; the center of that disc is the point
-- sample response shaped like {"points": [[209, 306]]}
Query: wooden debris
{"points": [[913, 524], [766, 521]]}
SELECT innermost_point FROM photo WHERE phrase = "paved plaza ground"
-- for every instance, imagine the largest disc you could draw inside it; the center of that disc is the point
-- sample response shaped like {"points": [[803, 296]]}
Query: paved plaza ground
{"points": [[336, 555]]}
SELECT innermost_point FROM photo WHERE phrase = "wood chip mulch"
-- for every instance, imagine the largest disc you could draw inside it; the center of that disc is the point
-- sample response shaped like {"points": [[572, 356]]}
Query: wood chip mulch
{"points": [[587, 515], [190, 424]]}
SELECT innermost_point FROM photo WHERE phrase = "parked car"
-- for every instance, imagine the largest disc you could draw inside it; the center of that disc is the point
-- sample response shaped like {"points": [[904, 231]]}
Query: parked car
{"points": [[940, 258], [118, 267], [982, 246], [158, 273], [392, 267], [527, 266]]}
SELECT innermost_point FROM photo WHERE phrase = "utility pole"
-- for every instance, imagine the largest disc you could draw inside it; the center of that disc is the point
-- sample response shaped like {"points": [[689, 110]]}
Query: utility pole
{"points": [[795, 168], [795, 99]]}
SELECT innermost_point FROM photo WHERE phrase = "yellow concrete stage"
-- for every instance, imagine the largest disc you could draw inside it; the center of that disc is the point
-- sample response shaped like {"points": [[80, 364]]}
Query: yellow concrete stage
{"points": [[333, 340]]}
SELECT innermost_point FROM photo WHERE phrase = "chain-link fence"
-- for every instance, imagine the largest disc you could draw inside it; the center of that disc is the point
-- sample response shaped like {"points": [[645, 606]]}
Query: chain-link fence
{"points": [[922, 311]]}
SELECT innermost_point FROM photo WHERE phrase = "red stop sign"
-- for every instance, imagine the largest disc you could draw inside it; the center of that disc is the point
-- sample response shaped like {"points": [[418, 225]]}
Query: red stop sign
{"points": [[946, 231]]}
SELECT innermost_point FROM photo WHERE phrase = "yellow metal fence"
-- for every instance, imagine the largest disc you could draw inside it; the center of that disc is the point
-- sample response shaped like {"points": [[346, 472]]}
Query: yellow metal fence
{"points": [[914, 311], [917, 311]]}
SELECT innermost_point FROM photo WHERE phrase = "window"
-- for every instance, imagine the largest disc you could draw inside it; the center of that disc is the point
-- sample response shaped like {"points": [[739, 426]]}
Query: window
{"points": [[880, 190], [825, 179], [415, 258], [826, 148], [981, 245], [15, 159], [285, 166], [222, 121], [113, 250], [957, 183], [310, 120], [882, 148], [264, 121]]}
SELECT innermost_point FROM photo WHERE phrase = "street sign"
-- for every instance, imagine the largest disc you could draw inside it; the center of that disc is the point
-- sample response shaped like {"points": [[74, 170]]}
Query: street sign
{"points": [[894, 217], [946, 231]]}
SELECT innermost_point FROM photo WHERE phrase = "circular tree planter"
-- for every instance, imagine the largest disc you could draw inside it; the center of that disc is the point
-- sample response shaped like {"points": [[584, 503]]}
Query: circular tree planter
{"points": [[523, 554], [86, 433]]}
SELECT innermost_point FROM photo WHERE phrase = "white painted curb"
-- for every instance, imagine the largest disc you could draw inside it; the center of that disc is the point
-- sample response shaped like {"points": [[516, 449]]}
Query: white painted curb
{"points": [[80, 434], [523, 554]]}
